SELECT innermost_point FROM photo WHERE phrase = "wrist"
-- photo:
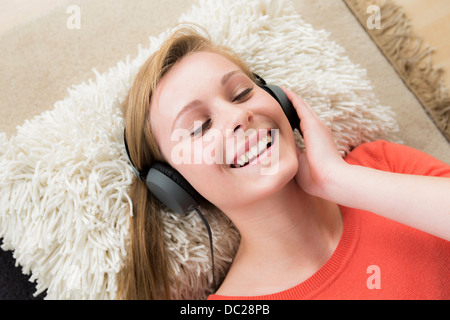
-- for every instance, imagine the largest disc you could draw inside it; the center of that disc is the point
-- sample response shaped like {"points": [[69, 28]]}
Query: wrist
{"points": [[336, 187]]}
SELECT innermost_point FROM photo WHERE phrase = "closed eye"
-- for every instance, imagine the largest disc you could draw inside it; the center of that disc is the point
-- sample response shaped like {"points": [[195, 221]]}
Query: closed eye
{"points": [[243, 95], [201, 129]]}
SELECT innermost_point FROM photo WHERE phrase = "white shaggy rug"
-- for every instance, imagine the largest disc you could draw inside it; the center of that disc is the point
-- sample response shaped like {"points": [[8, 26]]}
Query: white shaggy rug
{"points": [[64, 207]]}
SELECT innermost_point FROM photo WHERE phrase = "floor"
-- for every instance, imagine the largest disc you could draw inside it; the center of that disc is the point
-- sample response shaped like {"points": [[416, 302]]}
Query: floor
{"points": [[430, 18], [14, 12]]}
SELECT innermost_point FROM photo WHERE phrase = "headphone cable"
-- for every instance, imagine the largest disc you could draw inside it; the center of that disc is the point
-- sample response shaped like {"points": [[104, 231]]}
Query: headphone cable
{"points": [[205, 222]]}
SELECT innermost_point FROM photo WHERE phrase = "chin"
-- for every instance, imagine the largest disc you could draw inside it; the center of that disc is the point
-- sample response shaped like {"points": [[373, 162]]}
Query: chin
{"points": [[256, 187]]}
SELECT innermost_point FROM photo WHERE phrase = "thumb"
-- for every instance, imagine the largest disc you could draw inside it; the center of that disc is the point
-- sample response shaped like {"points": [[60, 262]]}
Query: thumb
{"points": [[303, 167]]}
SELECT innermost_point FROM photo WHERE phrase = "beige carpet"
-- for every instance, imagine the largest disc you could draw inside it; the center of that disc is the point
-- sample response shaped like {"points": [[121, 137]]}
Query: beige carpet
{"points": [[409, 54], [43, 58]]}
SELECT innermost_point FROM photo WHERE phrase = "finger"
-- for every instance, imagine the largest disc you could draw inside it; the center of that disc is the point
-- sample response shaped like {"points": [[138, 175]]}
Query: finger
{"points": [[303, 108], [298, 150], [309, 120]]}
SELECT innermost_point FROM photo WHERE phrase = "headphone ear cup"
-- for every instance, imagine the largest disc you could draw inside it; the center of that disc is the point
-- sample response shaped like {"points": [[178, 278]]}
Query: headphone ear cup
{"points": [[278, 94], [171, 188]]}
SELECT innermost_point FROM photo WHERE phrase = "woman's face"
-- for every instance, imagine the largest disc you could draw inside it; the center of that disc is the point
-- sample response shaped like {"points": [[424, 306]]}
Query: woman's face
{"points": [[227, 136]]}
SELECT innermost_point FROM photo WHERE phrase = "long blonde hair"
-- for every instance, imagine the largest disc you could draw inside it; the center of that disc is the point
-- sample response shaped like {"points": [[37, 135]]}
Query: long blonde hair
{"points": [[146, 274]]}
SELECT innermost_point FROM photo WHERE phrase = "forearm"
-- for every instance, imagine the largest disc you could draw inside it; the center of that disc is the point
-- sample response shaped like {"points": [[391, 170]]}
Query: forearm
{"points": [[417, 201], [421, 202]]}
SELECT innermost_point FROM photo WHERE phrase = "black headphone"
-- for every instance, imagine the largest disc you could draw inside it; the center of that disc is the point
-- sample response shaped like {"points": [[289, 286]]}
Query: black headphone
{"points": [[173, 190]]}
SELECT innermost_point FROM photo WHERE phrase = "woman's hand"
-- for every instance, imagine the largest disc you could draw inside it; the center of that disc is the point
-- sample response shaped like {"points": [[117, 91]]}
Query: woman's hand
{"points": [[321, 159]]}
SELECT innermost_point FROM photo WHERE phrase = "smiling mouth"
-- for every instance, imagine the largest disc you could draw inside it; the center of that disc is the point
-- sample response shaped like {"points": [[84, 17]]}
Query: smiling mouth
{"points": [[251, 154]]}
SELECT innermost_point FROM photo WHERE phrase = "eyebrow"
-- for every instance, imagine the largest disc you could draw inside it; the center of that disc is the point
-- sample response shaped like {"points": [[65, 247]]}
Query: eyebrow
{"points": [[226, 77], [193, 104]]}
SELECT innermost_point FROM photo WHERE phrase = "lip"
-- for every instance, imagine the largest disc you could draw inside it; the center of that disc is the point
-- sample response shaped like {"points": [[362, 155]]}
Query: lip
{"points": [[252, 142]]}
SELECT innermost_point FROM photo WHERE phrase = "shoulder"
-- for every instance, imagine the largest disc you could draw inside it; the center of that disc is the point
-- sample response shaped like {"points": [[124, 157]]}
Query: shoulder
{"points": [[370, 154], [397, 158]]}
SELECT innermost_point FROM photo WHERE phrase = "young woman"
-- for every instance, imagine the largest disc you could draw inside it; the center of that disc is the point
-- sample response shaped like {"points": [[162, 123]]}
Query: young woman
{"points": [[315, 227]]}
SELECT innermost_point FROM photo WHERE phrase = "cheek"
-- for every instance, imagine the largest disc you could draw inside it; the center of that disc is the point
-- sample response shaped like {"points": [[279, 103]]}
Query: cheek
{"points": [[207, 180], [205, 150]]}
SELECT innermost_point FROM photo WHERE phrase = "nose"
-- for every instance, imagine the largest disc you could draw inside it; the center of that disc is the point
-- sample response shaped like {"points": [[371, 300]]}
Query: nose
{"points": [[236, 121], [238, 118]]}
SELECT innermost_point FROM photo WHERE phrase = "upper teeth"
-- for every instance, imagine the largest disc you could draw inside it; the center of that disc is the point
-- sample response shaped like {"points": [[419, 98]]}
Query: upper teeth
{"points": [[254, 151]]}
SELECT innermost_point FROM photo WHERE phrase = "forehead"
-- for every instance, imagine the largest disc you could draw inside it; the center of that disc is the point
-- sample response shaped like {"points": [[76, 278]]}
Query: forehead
{"points": [[193, 77], [191, 74]]}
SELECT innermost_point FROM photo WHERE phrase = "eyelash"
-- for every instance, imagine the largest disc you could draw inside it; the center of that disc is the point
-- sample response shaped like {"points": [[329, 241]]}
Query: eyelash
{"points": [[207, 124], [243, 94]]}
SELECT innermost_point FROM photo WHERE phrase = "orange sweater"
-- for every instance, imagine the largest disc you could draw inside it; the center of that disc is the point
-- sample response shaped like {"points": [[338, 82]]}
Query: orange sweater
{"points": [[378, 258]]}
